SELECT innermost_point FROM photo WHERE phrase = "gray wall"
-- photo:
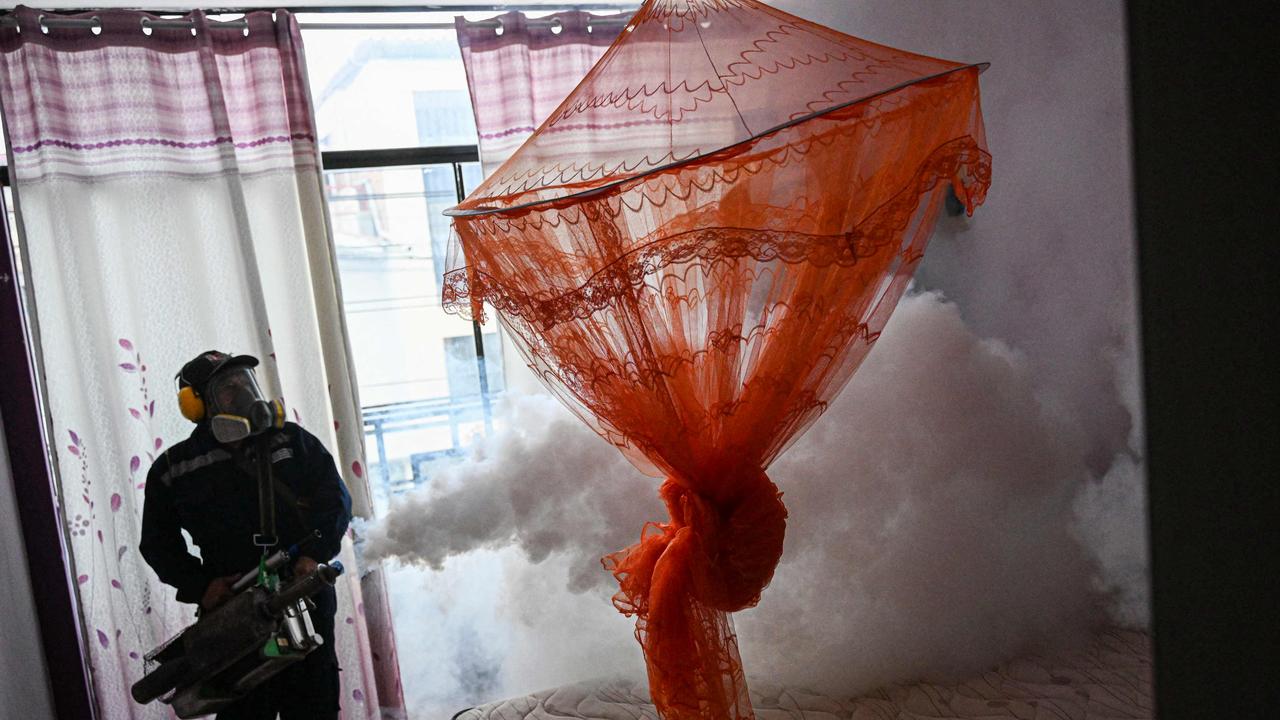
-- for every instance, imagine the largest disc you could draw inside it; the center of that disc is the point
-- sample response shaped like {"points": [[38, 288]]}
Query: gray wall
{"points": [[1048, 263], [24, 681]]}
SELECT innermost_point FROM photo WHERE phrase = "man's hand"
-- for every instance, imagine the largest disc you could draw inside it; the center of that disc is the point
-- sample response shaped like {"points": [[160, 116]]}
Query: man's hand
{"points": [[218, 592], [304, 566]]}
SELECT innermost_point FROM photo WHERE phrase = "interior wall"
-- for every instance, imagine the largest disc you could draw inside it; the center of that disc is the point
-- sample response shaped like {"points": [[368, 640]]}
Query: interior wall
{"points": [[1048, 263], [24, 678]]}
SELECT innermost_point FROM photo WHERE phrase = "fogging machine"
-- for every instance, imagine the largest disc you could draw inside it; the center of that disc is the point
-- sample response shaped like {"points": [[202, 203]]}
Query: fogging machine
{"points": [[261, 630]]}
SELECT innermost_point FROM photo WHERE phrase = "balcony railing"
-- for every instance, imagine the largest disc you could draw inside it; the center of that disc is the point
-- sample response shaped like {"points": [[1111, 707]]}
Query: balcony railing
{"points": [[380, 421]]}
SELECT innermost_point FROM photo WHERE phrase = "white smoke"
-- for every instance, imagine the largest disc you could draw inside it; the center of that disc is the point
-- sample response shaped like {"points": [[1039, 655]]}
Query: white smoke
{"points": [[931, 515], [1110, 522], [943, 518], [543, 482]]}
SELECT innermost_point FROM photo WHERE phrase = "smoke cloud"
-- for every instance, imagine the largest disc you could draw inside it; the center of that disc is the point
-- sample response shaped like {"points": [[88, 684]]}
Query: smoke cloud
{"points": [[944, 517], [931, 525], [1110, 521], [543, 482]]}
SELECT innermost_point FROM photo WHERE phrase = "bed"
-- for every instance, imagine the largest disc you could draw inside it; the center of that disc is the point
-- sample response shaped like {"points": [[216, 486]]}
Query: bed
{"points": [[1110, 679]]}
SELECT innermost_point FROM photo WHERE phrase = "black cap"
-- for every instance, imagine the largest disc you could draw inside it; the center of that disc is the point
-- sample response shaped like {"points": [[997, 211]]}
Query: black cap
{"points": [[197, 372]]}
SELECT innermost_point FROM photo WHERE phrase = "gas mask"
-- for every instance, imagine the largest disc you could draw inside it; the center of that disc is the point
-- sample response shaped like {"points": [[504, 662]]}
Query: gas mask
{"points": [[236, 407]]}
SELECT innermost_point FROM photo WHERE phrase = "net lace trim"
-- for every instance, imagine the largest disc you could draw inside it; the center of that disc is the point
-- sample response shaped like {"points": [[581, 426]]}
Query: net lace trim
{"points": [[519, 185], [961, 161]]}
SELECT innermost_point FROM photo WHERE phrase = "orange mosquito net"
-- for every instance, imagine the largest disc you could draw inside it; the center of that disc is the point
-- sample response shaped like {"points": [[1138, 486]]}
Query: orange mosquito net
{"points": [[694, 252]]}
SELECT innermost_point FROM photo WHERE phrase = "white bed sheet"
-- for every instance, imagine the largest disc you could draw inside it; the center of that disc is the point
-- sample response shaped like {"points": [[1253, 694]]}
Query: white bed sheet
{"points": [[1109, 680]]}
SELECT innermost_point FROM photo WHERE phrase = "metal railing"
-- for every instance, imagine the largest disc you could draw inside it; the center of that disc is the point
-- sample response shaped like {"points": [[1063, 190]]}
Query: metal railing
{"points": [[416, 416]]}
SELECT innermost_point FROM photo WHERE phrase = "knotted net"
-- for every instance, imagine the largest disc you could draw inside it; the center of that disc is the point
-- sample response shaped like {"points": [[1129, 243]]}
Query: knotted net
{"points": [[694, 252]]}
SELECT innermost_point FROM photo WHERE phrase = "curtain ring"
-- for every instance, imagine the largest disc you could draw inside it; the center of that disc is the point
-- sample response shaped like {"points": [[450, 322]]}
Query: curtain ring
{"points": [[500, 29], [40, 21], [96, 27], [557, 27], [146, 26]]}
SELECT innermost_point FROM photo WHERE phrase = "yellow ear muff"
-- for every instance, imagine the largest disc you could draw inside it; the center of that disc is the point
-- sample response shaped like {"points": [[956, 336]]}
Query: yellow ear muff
{"points": [[277, 414], [190, 404]]}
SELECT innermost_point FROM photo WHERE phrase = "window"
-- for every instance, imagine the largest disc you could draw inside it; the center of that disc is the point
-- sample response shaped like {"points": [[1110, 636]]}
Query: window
{"points": [[387, 87], [425, 392], [468, 377], [392, 109], [398, 137], [421, 386]]}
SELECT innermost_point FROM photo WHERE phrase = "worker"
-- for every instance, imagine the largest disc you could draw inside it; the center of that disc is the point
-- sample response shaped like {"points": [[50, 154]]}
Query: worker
{"points": [[207, 485]]}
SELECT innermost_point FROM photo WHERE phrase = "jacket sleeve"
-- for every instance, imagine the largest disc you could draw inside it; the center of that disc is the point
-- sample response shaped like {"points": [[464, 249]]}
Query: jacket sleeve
{"points": [[330, 503], [162, 544]]}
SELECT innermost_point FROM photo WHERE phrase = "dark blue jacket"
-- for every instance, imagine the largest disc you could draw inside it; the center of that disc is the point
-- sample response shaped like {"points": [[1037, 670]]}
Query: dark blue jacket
{"points": [[211, 491]]}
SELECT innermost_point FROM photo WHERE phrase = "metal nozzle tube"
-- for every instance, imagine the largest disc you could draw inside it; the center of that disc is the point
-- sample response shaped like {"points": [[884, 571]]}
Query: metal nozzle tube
{"points": [[275, 562], [312, 584]]}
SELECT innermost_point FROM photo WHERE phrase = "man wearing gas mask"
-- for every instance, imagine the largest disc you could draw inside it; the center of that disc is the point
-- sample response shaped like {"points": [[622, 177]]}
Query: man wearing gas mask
{"points": [[207, 485]]}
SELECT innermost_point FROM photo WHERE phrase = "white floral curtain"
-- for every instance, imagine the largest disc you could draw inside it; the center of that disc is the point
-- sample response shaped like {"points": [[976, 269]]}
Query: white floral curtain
{"points": [[169, 197]]}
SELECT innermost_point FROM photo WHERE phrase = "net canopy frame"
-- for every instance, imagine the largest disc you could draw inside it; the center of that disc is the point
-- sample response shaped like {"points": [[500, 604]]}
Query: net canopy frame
{"points": [[694, 252]]}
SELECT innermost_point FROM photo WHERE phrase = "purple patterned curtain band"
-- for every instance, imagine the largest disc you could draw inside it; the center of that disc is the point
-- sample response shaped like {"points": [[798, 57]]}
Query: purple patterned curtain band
{"points": [[96, 101]]}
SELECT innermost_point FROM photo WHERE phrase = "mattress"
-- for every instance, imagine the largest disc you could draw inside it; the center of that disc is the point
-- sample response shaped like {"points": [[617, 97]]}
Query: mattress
{"points": [[1108, 680]]}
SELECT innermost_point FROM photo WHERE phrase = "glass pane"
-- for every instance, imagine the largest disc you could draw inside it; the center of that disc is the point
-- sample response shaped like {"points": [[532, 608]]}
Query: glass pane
{"points": [[380, 88], [426, 395], [10, 218], [472, 175]]}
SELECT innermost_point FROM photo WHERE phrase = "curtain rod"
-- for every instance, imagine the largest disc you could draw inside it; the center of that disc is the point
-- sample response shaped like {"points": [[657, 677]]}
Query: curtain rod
{"points": [[493, 23], [357, 9], [55, 19], [146, 23]]}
